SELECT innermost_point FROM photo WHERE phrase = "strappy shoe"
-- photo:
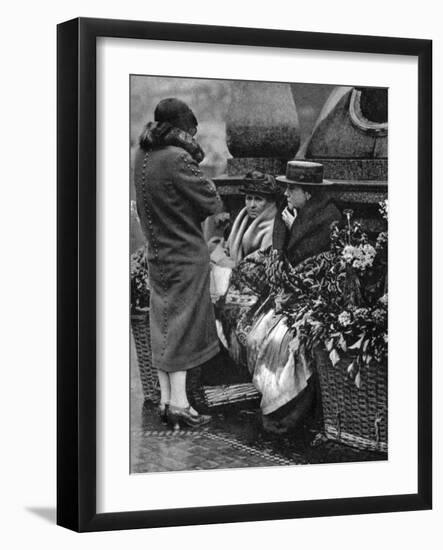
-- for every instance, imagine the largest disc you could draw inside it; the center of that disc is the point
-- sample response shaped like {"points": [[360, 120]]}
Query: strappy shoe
{"points": [[182, 417]]}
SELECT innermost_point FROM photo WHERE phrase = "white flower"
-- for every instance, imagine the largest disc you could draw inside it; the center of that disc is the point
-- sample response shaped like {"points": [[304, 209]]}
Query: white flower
{"points": [[383, 208], [361, 312], [364, 257], [378, 315], [368, 250], [344, 318], [349, 253], [384, 299]]}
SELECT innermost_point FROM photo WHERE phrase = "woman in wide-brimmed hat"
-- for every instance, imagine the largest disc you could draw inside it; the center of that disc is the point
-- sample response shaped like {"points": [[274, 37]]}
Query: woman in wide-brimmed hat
{"points": [[303, 228], [258, 334], [300, 232]]}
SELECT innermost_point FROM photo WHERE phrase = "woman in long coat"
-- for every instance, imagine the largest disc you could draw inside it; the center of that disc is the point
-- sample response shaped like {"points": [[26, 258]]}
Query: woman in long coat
{"points": [[173, 199]]}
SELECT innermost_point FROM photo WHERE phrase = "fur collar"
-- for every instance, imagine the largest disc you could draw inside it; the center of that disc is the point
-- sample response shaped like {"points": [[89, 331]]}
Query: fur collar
{"points": [[248, 235], [161, 134]]}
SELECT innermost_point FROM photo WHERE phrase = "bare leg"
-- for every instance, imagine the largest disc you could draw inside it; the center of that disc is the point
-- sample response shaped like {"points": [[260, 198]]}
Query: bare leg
{"points": [[165, 387], [178, 389]]}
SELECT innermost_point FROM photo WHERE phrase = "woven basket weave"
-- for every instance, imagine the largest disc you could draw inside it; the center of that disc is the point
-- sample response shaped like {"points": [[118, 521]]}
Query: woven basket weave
{"points": [[148, 374], [355, 416], [202, 397], [142, 338]]}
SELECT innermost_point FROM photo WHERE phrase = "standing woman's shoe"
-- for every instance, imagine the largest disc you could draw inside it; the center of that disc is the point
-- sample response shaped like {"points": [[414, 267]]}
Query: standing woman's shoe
{"points": [[163, 412], [181, 417]]}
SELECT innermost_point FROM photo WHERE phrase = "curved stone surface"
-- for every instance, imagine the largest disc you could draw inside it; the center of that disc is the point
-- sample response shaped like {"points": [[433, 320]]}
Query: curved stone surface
{"points": [[309, 100], [343, 129], [262, 121]]}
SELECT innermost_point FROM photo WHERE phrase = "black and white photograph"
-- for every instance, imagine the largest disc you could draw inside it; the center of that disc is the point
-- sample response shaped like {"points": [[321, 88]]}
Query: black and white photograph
{"points": [[222, 225], [258, 273]]}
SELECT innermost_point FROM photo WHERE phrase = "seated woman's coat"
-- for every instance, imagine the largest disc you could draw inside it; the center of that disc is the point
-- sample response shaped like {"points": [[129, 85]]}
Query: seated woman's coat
{"points": [[310, 232]]}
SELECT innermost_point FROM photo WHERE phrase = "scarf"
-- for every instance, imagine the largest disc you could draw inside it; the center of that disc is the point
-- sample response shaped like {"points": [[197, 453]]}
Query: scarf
{"points": [[161, 134], [245, 239]]}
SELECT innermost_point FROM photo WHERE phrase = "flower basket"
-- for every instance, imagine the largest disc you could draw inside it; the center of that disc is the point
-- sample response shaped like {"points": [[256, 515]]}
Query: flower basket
{"points": [[356, 416], [142, 339], [229, 394], [148, 374], [140, 295], [338, 310], [201, 397]]}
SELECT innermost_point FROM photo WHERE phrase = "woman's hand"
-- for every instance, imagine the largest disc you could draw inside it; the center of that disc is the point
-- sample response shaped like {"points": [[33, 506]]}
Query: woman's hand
{"points": [[213, 243], [288, 217], [281, 300]]}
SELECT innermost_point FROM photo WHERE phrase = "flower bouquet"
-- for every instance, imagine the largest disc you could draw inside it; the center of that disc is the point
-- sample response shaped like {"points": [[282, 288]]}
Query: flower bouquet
{"points": [[338, 309]]}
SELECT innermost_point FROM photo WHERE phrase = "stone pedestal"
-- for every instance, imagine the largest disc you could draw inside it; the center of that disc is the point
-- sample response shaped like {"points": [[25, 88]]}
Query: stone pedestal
{"points": [[343, 129], [350, 139], [263, 133], [262, 128]]}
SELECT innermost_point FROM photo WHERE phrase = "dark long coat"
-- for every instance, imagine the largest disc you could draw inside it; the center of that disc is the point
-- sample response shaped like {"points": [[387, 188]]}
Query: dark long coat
{"points": [[173, 198], [310, 232]]}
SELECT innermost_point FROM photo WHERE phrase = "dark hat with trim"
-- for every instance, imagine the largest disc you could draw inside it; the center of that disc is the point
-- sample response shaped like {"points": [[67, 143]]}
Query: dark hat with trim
{"points": [[304, 173], [258, 183], [171, 110]]}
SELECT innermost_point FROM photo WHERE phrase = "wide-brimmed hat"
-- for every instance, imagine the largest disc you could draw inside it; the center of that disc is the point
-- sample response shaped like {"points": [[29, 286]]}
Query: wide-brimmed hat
{"points": [[304, 173], [258, 183]]}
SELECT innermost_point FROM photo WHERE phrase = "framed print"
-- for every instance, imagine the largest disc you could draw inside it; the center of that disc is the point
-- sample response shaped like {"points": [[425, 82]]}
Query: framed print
{"points": [[244, 274]]}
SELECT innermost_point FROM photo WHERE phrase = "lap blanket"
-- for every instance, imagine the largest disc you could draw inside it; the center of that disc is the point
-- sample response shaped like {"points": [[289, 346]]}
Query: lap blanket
{"points": [[259, 337]]}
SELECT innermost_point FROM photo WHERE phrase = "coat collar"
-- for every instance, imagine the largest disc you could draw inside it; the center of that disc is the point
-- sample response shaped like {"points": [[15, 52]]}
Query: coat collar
{"points": [[308, 216], [161, 134]]}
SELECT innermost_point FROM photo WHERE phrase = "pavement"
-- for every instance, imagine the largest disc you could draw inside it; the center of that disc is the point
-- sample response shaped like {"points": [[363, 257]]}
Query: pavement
{"points": [[235, 438]]}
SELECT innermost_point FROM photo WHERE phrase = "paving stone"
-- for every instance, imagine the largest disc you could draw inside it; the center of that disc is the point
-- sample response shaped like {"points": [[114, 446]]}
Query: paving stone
{"points": [[234, 439]]}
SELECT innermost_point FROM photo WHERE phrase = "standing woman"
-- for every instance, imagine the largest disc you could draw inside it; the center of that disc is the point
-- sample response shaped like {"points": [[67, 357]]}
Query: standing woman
{"points": [[173, 199]]}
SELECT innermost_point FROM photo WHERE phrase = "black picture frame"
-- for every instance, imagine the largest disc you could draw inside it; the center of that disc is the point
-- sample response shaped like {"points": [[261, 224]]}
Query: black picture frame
{"points": [[76, 265]]}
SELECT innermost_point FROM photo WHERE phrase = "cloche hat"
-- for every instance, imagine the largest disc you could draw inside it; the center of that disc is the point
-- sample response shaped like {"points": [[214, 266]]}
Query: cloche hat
{"points": [[171, 109]]}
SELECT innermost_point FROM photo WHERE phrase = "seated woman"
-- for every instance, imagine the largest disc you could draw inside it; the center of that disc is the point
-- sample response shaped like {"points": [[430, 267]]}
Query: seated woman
{"points": [[303, 229], [252, 229], [257, 331]]}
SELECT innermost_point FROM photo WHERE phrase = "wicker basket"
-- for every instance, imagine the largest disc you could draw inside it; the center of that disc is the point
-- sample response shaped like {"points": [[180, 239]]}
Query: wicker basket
{"points": [[202, 397], [229, 394], [142, 338], [355, 416]]}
